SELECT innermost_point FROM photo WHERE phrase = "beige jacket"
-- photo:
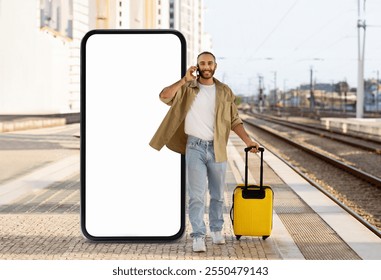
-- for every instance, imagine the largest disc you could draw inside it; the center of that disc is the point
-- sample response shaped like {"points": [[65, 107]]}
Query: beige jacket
{"points": [[171, 130]]}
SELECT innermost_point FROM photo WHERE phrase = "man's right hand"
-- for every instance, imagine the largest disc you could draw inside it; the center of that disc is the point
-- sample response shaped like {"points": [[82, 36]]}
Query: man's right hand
{"points": [[170, 91], [189, 74]]}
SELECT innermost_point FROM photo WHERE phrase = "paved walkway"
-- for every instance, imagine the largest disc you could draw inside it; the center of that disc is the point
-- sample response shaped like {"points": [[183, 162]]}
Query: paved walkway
{"points": [[44, 223]]}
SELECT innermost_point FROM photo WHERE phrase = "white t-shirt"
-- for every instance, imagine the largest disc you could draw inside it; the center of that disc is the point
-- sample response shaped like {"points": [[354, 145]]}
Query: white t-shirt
{"points": [[199, 121]]}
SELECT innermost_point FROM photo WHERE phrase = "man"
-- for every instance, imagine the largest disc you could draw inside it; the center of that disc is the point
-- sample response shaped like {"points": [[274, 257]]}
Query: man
{"points": [[198, 125]]}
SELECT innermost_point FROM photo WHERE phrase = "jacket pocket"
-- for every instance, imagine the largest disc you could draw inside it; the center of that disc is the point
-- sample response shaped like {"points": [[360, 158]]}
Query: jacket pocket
{"points": [[226, 111]]}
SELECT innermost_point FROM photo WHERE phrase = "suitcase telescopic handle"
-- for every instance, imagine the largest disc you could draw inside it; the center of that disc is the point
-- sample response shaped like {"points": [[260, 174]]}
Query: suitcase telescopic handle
{"points": [[261, 149], [247, 149]]}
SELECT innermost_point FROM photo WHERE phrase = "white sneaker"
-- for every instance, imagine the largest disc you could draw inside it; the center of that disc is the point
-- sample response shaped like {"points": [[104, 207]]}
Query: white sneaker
{"points": [[217, 237], [199, 244]]}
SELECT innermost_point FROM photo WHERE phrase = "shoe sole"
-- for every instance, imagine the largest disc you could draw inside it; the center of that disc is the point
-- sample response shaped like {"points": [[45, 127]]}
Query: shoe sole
{"points": [[201, 251]]}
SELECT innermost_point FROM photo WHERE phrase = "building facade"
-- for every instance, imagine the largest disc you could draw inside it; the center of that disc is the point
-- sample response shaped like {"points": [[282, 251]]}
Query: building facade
{"points": [[187, 17], [40, 50]]}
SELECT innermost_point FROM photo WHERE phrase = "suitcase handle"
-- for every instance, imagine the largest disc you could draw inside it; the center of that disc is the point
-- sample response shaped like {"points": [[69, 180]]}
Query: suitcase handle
{"points": [[261, 149], [247, 149]]}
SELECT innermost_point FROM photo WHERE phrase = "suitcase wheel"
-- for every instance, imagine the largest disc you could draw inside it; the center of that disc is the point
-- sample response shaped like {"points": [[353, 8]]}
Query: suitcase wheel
{"points": [[238, 237], [265, 237]]}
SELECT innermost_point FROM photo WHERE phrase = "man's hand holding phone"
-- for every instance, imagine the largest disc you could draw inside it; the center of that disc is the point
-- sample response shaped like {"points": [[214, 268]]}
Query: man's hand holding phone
{"points": [[189, 76]]}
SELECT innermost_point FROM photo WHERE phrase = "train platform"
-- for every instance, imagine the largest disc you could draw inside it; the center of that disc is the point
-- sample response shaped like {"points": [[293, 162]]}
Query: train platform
{"points": [[370, 126], [42, 220], [312, 224], [10, 123]]}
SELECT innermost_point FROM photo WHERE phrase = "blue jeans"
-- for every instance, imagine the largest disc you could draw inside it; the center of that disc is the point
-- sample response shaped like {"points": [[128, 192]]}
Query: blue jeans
{"points": [[202, 170]]}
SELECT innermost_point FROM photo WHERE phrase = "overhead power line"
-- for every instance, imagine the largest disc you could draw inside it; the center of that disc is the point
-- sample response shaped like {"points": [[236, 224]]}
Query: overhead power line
{"points": [[276, 27]]}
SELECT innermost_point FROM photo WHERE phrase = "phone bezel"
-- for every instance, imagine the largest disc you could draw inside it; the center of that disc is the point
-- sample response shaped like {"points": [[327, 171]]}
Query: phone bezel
{"points": [[83, 140]]}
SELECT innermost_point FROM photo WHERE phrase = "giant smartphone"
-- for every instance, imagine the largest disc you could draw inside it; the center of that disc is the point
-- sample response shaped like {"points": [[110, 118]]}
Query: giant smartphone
{"points": [[129, 191]]}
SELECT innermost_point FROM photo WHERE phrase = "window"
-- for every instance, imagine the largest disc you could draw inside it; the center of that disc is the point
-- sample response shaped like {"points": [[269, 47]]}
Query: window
{"points": [[57, 16]]}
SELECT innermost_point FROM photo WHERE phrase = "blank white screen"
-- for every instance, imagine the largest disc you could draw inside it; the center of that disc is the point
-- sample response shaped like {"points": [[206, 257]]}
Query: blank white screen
{"points": [[131, 189]]}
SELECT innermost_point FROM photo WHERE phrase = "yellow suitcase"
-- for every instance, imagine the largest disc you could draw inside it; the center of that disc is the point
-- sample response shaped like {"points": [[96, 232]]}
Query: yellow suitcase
{"points": [[252, 209]]}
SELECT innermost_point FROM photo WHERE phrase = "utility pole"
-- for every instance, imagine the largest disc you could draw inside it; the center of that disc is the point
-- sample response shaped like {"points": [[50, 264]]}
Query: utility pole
{"points": [[275, 90], [332, 95], [284, 94], [344, 88], [312, 96], [361, 54], [261, 97], [378, 84]]}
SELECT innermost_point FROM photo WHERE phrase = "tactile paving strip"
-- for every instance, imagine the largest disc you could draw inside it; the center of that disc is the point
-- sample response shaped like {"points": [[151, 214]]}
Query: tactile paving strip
{"points": [[314, 237], [61, 197]]}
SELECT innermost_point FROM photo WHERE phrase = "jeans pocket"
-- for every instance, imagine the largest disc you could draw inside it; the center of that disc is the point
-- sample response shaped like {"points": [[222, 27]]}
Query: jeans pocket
{"points": [[191, 145]]}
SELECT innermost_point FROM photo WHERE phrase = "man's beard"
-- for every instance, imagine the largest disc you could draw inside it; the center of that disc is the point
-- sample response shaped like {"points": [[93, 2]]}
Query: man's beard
{"points": [[208, 75]]}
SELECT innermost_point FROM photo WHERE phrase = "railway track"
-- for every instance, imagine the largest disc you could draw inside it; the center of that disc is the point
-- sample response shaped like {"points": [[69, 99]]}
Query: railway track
{"points": [[364, 141], [358, 190], [343, 157]]}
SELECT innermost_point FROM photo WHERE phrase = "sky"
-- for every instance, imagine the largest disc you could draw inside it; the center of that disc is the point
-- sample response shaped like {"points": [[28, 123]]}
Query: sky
{"points": [[282, 40]]}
